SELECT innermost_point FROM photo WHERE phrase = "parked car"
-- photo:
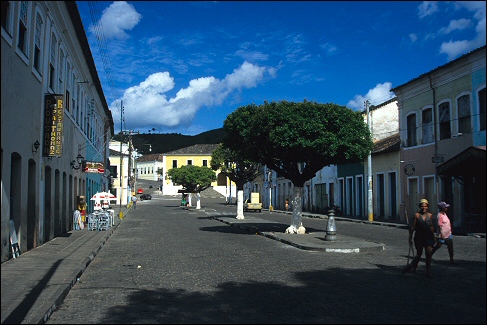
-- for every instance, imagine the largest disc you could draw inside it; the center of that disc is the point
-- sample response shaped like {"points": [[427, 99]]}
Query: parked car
{"points": [[145, 196], [248, 206], [140, 191]]}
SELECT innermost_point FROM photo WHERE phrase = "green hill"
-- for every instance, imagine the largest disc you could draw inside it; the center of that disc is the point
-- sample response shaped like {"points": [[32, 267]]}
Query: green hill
{"points": [[166, 142]]}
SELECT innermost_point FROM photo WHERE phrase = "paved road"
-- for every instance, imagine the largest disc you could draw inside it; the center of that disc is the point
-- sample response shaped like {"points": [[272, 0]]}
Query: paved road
{"points": [[167, 265]]}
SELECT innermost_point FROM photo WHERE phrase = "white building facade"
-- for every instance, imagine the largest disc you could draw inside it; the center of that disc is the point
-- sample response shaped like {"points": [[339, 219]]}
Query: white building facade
{"points": [[54, 115]]}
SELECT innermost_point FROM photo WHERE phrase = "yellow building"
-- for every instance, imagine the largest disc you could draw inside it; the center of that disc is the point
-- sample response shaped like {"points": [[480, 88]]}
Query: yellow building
{"points": [[197, 155]]}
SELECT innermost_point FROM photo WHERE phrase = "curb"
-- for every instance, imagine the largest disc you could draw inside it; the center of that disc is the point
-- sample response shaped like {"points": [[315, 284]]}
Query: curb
{"points": [[350, 245]]}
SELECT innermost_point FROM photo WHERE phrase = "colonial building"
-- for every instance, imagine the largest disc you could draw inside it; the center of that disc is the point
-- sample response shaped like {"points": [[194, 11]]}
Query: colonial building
{"points": [[198, 155], [55, 121], [148, 167], [442, 122], [121, 159]]}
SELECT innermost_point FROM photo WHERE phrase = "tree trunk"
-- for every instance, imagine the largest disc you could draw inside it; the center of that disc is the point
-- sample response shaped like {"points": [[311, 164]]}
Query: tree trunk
{"points": [[189, 199], [240, 214], [198, 204], [296, 226]]}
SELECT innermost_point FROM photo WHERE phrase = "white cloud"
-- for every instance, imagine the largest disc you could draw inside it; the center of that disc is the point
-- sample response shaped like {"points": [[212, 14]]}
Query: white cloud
{"points": [[329, 48], [375, 96], [457, 48], [456, 25], [146, 105], [413, 37], [252, 56], [116, 19], [427, 8]]}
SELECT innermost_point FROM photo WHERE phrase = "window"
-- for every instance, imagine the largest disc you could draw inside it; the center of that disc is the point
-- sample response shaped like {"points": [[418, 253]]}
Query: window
{"points": [[205, 163], [52, 63], [445, 127], [68, 75], [411, 129], [6, 19], [427, 126], [37, 43], [481, 95], [174, 163], [75, 99], [463, 106], [23, 23], [189, 162], [67, 100], [61, 69]]}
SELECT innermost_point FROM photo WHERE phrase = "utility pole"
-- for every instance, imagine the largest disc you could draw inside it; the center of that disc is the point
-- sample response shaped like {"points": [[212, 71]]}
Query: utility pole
{"points": [[370, 207], [130, 178], [121, 161], [130, 182]]}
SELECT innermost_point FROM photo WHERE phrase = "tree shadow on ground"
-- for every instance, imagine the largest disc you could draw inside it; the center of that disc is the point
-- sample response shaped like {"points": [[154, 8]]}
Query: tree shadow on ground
{"points": [[376, 295]]}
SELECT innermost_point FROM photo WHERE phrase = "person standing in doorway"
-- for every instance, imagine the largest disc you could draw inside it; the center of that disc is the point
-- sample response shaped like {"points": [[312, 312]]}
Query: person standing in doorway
{"points": [[424, 237], [134, 201], [444, 235]]}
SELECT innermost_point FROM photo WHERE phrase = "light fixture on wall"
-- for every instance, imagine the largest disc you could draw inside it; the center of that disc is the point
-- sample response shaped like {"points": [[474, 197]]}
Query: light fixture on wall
{"points": [[79, 161], [35, 146]]}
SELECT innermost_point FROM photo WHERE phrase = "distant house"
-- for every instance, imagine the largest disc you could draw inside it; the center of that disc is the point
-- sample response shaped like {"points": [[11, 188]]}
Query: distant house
{"points": [[147, 167], [119, 171], [198, 155]]}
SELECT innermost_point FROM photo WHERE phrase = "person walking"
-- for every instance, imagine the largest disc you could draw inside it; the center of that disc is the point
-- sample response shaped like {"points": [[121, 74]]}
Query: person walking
{"points": [[444, 235], [424, 237], [134, 201]]}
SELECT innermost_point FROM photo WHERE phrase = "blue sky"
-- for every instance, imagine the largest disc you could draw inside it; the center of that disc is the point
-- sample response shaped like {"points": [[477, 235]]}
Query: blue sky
{"points": [[183, 66]]}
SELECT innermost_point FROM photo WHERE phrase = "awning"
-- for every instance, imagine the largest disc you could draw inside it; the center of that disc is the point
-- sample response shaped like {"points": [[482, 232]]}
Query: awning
{"points": [[470, 162]]}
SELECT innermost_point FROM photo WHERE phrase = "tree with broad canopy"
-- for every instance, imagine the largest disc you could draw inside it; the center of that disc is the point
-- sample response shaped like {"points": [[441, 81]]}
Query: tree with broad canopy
{"points": [[237, 168], [194, 179], [297, 140]]}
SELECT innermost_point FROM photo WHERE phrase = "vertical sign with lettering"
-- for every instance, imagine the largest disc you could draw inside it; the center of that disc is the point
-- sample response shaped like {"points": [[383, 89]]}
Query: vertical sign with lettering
{"points": [[53, 126]]}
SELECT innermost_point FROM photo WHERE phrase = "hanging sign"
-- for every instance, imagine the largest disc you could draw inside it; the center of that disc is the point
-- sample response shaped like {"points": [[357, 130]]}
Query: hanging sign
{"points": [[93, 167], [53, 126]]}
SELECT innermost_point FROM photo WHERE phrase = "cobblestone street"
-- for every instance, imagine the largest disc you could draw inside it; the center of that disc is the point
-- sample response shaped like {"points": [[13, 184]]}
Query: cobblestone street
{"points": [[168, 265]]}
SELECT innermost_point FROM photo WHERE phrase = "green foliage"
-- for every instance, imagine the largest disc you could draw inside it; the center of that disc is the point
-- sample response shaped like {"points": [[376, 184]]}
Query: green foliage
{"points": [[194, 179], [239, 169], [165, 142], [283, 134]]}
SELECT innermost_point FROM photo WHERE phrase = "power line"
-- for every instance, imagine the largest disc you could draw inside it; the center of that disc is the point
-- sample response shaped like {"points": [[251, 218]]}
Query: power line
{"points": [[102, 48]]}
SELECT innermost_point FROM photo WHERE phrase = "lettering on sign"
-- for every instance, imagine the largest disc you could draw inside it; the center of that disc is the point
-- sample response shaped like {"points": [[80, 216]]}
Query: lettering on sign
{"points": [[53, 125], [94, 167]]}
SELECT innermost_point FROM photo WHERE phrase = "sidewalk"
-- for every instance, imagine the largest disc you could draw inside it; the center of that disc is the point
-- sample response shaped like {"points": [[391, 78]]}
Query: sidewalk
{"points": [[38, 280]]}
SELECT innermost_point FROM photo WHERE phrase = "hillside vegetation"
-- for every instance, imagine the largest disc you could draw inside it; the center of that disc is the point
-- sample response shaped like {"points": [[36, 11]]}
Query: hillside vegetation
{"points": [[165, 142]]}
